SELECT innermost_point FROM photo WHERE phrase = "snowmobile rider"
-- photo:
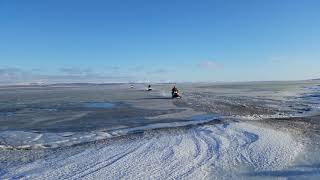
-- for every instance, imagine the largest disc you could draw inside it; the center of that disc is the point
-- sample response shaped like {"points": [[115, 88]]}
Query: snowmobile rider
{"points": [[174, 89]]}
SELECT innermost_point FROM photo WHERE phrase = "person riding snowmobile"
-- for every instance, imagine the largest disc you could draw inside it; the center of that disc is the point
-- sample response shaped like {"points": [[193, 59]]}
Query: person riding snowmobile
{"points": [[174, 89], [175, 92]]}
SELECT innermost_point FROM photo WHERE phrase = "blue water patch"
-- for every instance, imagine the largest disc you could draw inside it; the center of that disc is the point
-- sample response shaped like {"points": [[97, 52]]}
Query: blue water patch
{"points": [[104, 105]]}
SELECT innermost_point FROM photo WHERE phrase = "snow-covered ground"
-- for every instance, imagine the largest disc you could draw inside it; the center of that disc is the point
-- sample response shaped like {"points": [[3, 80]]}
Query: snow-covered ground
{"points": [[212, 151]]}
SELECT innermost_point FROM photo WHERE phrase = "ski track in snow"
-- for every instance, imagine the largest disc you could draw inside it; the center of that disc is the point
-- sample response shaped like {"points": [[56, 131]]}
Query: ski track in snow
{"points": [[199, 152]]}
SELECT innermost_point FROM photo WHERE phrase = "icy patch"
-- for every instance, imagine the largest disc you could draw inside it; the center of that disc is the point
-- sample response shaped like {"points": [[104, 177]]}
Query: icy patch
{"points": [[311, 99], [8, 114], [99, 105], [36, 140], [221, 151]]}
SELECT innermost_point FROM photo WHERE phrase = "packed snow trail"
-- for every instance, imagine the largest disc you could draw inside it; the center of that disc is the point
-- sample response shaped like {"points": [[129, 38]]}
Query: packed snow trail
{"points": [[212, 151]]}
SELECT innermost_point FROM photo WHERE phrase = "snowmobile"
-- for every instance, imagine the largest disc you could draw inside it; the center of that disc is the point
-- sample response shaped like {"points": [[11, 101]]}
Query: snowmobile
{"points": [[176, 94]]}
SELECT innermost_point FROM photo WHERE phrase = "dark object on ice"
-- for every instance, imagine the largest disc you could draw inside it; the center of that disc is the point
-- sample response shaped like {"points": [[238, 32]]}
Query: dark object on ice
{"points": [[174, 89], [175, 93], [149, 88]]}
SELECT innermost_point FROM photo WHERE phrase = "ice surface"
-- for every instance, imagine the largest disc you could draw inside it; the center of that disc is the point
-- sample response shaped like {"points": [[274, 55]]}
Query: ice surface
{"points": [[71, 133], [255, 101], [99, 105], [35, 140]]}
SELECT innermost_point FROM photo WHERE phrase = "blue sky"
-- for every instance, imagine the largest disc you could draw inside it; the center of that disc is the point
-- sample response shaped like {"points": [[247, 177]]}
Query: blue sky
{"points": [[143, 40]]}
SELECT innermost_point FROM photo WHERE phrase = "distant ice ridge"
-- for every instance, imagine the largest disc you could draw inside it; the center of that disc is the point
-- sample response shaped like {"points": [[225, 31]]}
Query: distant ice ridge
{"points": [[220, 151], [37, 140]]}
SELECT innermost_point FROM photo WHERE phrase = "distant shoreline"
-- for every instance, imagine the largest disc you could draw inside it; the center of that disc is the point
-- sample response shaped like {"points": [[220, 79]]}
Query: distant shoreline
{"points": [[158, 83]]}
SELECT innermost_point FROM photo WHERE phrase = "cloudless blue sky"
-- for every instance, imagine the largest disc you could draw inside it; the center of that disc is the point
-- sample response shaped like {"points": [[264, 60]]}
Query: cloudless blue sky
{"points": [[214, 40]]}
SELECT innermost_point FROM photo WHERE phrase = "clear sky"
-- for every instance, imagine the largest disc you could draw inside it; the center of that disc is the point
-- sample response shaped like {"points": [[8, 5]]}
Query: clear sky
{"points": [[167, 40]]}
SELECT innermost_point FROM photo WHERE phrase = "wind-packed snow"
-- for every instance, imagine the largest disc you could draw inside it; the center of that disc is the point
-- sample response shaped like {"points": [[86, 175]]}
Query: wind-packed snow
{"points": [[212, 151]]}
